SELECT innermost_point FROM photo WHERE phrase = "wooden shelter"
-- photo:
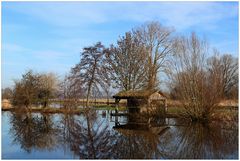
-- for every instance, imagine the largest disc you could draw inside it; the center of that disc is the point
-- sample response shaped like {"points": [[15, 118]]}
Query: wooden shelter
{"points": [[141, 100]]}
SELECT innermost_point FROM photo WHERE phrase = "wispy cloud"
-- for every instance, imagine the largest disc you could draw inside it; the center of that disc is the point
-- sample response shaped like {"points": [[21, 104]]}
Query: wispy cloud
{"points": [[13, 48], [201, 14], [178, 14]]}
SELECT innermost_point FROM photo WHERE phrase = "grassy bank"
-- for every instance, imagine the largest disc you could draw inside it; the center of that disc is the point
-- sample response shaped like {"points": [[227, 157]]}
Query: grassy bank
{"points": [[226, 110], [223, 113]]}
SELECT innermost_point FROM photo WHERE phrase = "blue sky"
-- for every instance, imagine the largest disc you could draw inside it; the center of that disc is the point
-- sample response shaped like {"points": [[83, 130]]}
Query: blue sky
{"points": [[49, 36]]}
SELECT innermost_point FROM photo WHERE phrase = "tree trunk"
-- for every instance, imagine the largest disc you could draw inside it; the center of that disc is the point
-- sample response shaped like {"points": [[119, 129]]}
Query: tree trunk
{"points": [[107, 100], [88, 93], [90, 84], [45, 104]]}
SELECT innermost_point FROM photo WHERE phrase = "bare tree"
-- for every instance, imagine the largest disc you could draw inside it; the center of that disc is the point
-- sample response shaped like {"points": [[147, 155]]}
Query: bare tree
{"points": [[128, 62], [70, 91], [34, 88], [47, 87], [24, 92], [198, 89], [227, 67], [88, 70], [157, 41]]}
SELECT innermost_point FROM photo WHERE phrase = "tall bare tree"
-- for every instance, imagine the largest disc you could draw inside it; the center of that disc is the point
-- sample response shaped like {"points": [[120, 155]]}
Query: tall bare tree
{"points": [[89, 69], [157, 41], [128, 63], [198, 90]]}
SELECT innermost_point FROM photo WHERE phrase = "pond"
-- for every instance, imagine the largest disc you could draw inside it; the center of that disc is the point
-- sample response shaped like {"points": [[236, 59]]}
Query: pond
{"points": [[97, 134]]}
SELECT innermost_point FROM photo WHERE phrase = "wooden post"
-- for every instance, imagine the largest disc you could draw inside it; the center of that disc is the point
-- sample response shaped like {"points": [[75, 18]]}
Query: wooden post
{"points": [[116, 121], [116, 111], [148, 105], [165, 106], [116, 105]]}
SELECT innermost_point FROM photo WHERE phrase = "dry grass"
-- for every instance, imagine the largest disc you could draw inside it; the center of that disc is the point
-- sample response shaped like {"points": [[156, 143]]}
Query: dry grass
{"points": [[131, 93], [6, 104], [223, 103]]}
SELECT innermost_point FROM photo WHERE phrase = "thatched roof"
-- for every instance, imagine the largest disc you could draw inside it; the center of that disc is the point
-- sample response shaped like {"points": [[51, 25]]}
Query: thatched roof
{"points": [[134, 94]]}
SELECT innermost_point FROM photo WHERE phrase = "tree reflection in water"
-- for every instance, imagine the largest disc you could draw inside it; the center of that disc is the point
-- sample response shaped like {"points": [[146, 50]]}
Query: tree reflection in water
{"points": [[89, 137], [183, 141], [33, 131], [199, 141]]}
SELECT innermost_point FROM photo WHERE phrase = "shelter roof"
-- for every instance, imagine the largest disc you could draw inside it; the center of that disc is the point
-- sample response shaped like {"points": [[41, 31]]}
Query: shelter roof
{"points": [[140, 94]]}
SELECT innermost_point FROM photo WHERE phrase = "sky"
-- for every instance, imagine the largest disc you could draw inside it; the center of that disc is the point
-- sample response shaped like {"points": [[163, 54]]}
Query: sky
{"points": [[49, 36]]}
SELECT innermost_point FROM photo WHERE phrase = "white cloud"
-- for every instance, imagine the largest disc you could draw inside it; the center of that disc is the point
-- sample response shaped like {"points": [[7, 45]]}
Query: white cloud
{"points": [[181, 15]]}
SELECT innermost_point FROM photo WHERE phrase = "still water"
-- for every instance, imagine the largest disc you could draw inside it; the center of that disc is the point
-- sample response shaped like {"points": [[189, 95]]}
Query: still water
{"points": [[98, 135]]}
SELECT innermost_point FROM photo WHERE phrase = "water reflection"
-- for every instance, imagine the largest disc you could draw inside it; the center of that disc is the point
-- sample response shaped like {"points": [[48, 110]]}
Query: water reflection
{"points": [[92, 136], [199, 141], [33, 131], [137, 144]]}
